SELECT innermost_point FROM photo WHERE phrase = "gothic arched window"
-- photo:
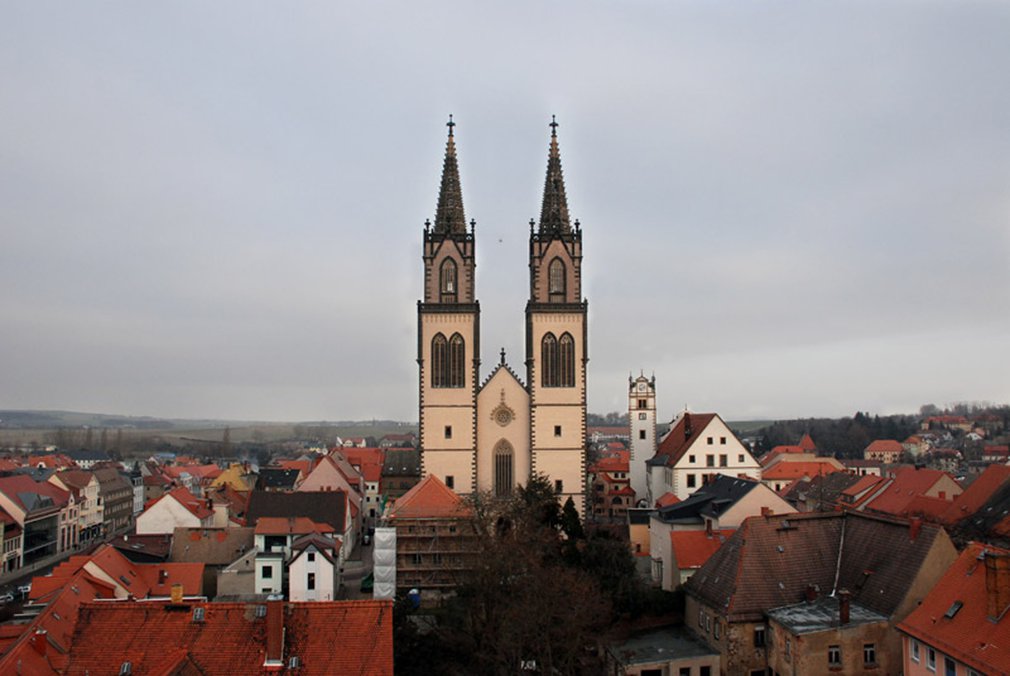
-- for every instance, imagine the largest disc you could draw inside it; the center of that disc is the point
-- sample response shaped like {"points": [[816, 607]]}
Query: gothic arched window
{"points": [[438, 361], [447, 282], [549, 360], [556, 280], [566, 361], [456, 376], [504, 464]]}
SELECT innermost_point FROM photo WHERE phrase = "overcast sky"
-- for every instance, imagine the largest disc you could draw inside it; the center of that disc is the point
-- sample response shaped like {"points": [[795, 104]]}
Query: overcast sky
{"points": [[790, 209]]}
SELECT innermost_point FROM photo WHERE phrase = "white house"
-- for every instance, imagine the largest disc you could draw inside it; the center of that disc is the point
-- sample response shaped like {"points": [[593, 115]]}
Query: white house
{"points": [[698, 447], [176, 509], [314, 568]]}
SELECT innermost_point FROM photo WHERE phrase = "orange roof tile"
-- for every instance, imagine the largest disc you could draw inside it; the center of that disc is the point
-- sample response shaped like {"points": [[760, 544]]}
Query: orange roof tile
{"points": [[160, 578], [682, 435], [788, 471], [885, 446], [667, 499], [692, 548], [977, 493], [807, 443], [966, 633], [196, 506], [908, 483], [429, 498], [296, 525]]}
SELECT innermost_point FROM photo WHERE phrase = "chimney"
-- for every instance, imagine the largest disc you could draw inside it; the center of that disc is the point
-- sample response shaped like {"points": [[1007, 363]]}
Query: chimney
{"points": [[687, 424], [708, 527], [162, 576], [943, 495], [843, 606], [176, 593], [997, 584], [914, 526], [811, 593], [275, 634], [766, 512], [40, 641]]}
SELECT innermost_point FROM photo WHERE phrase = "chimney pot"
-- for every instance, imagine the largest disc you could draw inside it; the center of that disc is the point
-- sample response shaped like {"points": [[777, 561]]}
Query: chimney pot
{"points": [[176, 592], [843, 606], [914, 526], [40, 641]]}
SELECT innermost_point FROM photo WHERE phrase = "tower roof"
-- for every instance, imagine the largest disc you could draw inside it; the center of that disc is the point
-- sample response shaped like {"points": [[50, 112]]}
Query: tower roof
{"points": [[554, 211], [449, 216]]}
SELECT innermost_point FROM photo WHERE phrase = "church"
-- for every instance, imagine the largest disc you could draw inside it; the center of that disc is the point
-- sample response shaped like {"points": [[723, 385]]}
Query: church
{"points": [[493, 435]]}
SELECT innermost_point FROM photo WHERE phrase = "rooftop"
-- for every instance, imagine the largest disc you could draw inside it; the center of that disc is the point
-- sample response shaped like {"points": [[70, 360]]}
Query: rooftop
{"points": [[821, 614]]}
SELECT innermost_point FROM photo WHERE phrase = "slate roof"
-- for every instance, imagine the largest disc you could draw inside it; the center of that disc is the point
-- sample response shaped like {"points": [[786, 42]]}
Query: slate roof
{"points": [[711, 500], [967, 633], [86, 455], [402, 462], [327, 507], [327, 637], [770, 561], [273, 477]]}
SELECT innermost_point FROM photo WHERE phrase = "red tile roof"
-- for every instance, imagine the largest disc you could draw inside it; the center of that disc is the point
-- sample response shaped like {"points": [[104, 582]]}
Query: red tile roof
{"points": [[682, 435], [692, 548], [907, 484], [161, 577], [667, 499], [617, 463], [807, 443], [368, 461], [296, 525], [327, 637], [885, 446], [429, 499], [967, 633], [788, 471], [196, 506], [977, 493], [202, 472]]}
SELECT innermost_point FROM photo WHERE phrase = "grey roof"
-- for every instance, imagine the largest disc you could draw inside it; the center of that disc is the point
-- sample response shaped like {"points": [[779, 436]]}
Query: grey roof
{"points": [[821, 614], [402, 462], [710, 500], [659, 645], [320, 506], [87, 455], [275, 477]]}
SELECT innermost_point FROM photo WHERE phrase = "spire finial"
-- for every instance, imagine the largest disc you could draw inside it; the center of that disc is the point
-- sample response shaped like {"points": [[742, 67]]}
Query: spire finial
{"points": [[450, 124], [503, 356], [553, 125]]}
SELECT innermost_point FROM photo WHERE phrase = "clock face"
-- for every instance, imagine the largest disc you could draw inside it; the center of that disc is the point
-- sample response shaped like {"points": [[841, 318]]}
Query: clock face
{"points": [[641, 387]]}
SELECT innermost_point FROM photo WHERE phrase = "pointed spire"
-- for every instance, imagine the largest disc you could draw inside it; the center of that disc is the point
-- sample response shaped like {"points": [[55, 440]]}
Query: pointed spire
{"points": [[449, 216], [554, 212]]}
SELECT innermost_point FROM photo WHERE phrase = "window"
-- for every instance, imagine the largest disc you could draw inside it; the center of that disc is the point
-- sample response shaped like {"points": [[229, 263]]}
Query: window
{"points": [[438, 350], [457, 356], [834, 656], [691, 459], [642, 403], [709, 460], [711, 440], [557, 430], [556, 281], [447, 361], [504, 462], [566, 362], [559, 486], [739, 458], [722, 441], [949, 667], [869, 653], [448, 431], [759, 636], [915, 650], [715, 629], [549, 360], [641, 434], [788, 651], [447, 281], [701, 619], [268, 572], [643, 416], [415, 559], [930, 659], [450, 481], [311, 556], [705, 671], [684, 671], [691, 481], [723, 460], [310, 582]]}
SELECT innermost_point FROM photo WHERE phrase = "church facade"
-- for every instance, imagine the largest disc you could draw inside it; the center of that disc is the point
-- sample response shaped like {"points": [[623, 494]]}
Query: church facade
{"points": [[492, 436]]}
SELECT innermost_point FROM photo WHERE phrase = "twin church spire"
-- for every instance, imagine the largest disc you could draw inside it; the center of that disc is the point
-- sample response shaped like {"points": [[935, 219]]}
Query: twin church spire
{"points": [[449, 215]]}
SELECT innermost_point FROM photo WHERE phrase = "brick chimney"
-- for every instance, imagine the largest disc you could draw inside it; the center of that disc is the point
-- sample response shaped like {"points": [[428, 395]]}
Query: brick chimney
{"points": [[811, 593], [843, 606], [914, 526], [275, 635], [997, 584], [766, 512], [40, 641], [176, 593]]}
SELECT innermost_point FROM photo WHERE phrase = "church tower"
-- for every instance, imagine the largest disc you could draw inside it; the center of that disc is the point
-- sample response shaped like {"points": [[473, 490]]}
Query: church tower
{"points": [[448, 331], [556, 352], [642, 421]]}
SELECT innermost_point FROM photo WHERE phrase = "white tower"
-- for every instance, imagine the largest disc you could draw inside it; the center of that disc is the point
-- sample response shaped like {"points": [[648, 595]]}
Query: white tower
{"points": [[642, 420]]}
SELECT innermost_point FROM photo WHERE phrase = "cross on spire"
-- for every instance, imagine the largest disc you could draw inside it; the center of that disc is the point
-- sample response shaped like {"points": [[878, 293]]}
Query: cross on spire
{"points": [[450, 124], [553, 125]]}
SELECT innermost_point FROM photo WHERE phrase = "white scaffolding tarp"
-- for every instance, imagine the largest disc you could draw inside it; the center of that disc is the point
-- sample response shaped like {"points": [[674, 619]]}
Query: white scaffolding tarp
{"points": [[384, 560]]}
